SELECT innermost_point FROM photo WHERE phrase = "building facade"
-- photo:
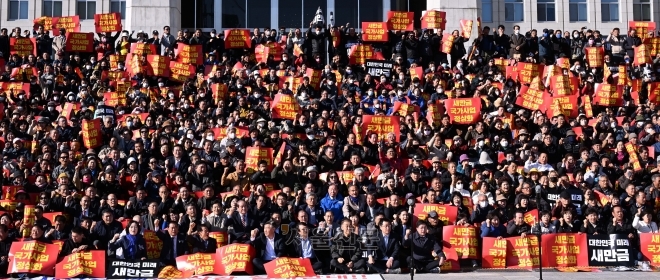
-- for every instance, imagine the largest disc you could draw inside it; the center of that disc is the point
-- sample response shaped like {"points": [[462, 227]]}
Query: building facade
{"points": [[148, 15]]}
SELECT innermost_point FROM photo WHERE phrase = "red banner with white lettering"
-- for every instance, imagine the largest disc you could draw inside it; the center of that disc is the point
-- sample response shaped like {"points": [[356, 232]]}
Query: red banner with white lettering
{"points": [[289, 268], [493, 252], [434, 19], [91, 264], [465, 240], [400, 20], [110, 22], [285, 107], [196, 264], [608, 95], [446, 213], [523, 252], [565, 250], [381, 125], [237, 39], [32, 257], [464, 110]]}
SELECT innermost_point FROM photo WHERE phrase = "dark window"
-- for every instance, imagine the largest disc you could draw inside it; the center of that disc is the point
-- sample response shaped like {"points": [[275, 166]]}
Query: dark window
{"points": [[290, 14], [346, 11], [310, 11], [233, 14], [258, 13]]}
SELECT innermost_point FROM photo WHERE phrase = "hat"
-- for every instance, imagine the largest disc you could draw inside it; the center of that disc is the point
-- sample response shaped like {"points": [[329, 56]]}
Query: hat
{"points": [[16, 174], [596, 142], [17, 140], [230, 143], [224, 154], [640, 117], [86, 172], [632, 135], [385, 167], [51, 103], [167, 123], [417, 157], [124, 34], [43, 120], [432, 214], [312, 169], [309, 131], [140, 31], [523, 132], [261, 120], [500, 197], [435, 159], [533, 170], [154, 32], [463, 157], [156, 173], [63, 175], [570, 133], [416, 170], [130, 160]]}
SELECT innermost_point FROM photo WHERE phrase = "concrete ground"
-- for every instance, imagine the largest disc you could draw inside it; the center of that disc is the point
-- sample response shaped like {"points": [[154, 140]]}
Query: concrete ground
{"points": [[517, 275]]}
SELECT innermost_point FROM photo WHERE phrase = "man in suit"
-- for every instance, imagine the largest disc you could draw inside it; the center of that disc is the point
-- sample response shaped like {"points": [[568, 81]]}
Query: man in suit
{"points": [[242, 223], [304, 248], [385, 258], [268, 246], [177, 162], [137, 205], [345, 250], [425, 249], [103, 231], [149, 218], [174, 244], [314, 211], [369, 210], [202, 243], [81, 210]]}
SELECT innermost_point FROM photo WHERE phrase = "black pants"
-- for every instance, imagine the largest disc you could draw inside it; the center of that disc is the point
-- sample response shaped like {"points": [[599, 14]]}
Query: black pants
{"points": [[258, 266], [381, 267], [317, 265], [424, 265], [343, 268]]}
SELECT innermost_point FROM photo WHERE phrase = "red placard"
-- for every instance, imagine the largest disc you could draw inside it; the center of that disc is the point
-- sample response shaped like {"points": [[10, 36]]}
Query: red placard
{"points": [[566, 105], [221, 132], [608, 95], [154, 244], [91, 264], [531, 217], [160, 65], [493, 252], [139, 49], [196, 264], [465, 240], [234, 258], [70, 23], [79, 42], [219, 92], [285, 107], [466, 28], [464, 110], [434, 113], [22, 46], [565, 250], [289, 268], [358, 54], [110, 22], [446, 213], [114, 99], [642, 55], [530, 98], [642, 27], [261, 53], [280, 154], [220, 237], [434, 19], [46, 22], [374, 32], [594, 56], [181, 72], [237, 39], [192, 54], [32, 257], [253, 155], [417, 72], [404, 109], [92, 137], [528, 71], [381, 125], [523, 252], [400, 20], [447, 43], [634, 160], [561, 85], [314, 78], [650, 247]]}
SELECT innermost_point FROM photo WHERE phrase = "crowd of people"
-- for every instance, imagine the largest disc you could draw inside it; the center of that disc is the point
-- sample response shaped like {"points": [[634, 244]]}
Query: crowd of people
{"points": [[174, 175]]}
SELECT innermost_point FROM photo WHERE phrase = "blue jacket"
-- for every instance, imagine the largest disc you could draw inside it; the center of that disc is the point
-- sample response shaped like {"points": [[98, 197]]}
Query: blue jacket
{"points": [[333, 205], [492, 231]]}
